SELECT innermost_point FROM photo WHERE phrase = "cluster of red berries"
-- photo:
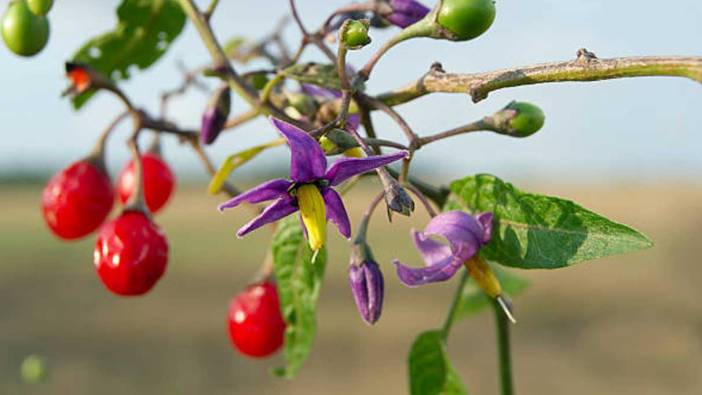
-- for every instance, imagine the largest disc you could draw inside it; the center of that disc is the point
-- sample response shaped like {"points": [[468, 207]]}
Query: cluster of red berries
{"points": [[131, 252]]}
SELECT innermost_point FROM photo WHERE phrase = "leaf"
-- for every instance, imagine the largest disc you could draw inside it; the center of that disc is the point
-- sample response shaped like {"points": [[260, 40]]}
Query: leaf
{"points": [[299, 282], [234, 161], [430, 371], [473, 299], [144, 32], [540, 232], [323, 75]]}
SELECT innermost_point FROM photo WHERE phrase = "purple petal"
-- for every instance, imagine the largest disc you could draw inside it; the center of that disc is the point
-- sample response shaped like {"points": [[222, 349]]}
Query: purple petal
{"points": [[279, 209], [485, 220], [463, 232], [432, 251], [336, 212], [440, 271], [343, 169], [318, 91], [308, 161], [269, 190], [406, 12], [353, 122]]}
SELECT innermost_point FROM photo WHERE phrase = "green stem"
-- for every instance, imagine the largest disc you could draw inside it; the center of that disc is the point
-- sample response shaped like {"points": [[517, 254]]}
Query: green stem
{"points": [[454, 305], [503, 347]]}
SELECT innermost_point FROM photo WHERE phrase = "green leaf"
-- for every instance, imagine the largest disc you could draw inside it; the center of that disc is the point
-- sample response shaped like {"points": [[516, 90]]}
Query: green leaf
{"points": [[540, 232], [234, 161], [144, 31], [473, 299], [323, 75], [299, 282], [430, 371]]}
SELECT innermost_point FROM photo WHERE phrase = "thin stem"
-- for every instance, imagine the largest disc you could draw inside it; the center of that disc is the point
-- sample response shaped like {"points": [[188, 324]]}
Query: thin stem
{"points": [[231, 190], [477, 126], [362, 231], [97, 155], [136, 201], [585, 68], [242, 118], [211, 9], [422, 198], [406, 129], [504, 353], [448, 323]]}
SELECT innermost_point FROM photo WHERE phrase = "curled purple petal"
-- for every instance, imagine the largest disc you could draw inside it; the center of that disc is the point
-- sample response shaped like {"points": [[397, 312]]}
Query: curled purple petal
{"points": [[485, 220], [269, 190], [406, 12], [343, 169], [432, 251], [367, 287], [440, 271], [279, 209], [463, 232], [336, 212], [308, 161]]}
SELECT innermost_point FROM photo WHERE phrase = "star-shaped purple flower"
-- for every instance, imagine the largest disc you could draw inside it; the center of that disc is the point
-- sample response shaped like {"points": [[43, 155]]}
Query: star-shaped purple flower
{"points": [[465, 235], [310, 188]]}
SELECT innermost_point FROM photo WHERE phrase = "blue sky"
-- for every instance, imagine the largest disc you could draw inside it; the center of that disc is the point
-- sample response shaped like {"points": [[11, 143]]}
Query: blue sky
{"points": [[646, 128]]}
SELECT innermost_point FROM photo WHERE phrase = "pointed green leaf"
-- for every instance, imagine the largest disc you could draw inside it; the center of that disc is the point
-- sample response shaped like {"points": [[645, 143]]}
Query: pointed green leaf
{"points": [[534, 231], [430, 371], [234, 161], [144, 31], [299, 282], [323, 75]]}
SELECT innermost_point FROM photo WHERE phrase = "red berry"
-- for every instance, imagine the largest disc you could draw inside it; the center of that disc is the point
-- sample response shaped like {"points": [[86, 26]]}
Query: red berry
{"points": [[256, 327], [131, 254], [77, 200], [159, 182]]}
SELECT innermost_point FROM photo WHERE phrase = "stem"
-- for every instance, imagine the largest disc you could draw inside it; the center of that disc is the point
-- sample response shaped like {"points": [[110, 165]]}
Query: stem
{"points": [[242, 118], [137, 202], [477, 126], [97, 155], [503, 347], [419, 29], [584, 68], [454, 305]]}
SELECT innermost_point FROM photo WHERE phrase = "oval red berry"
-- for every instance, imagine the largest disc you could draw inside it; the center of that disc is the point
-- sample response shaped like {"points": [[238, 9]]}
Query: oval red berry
{"points": [[159, 182], [76, 200], [131, 254], [256, 327]]}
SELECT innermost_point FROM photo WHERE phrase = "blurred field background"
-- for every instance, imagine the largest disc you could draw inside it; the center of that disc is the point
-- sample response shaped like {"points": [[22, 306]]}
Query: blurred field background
{"points": [[624, 325]]}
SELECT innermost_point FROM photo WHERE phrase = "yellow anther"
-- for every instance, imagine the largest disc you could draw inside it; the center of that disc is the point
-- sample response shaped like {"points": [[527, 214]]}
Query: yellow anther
{"points": [[356, 152], [480, 271], [314, 215]]}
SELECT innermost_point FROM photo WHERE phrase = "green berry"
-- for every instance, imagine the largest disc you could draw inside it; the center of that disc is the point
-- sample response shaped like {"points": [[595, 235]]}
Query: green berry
{"points": [[528, 119], [467, 19], [40, 7], [23, 32], [33, 369], [355, 34]]}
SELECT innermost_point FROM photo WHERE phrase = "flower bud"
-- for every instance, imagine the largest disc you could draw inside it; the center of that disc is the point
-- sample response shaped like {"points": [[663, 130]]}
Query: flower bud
{"points": [[215, 115], [518, 119], [406, 12], [466, 19], [367, 286], [397, 199], [354, 34]]}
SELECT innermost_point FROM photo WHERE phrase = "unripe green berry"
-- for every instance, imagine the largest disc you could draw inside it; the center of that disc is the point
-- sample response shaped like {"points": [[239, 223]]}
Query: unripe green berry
{"points": [[23, 32], [33, 369], [528, 119], [467, 19], [40, 7], [354, 34]]}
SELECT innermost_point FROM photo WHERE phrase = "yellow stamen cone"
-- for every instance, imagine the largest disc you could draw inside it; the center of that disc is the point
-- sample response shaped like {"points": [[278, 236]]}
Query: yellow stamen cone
{"points": [[314, 215], [480, 271]]}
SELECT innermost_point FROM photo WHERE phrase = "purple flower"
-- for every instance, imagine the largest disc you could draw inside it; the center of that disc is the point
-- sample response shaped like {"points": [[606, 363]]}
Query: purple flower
{"points": [[406, 12], [310, 188], [465, 235], [367, 286], [215, 115]]}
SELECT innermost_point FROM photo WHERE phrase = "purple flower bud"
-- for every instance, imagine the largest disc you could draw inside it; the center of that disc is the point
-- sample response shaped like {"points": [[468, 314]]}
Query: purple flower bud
{"points": [[406, 12], [367, 286], [215, 115]]}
